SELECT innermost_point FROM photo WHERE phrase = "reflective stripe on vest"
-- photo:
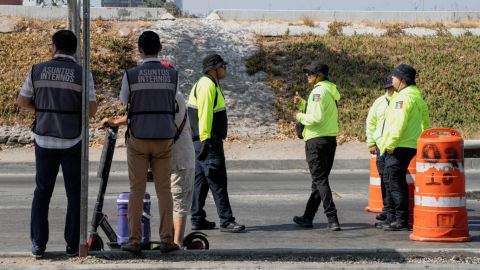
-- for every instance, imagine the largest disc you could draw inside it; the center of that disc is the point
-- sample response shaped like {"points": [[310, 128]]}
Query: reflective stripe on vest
{"points": [[151, 113], [430, 201], [425, 166], [57, 96]]}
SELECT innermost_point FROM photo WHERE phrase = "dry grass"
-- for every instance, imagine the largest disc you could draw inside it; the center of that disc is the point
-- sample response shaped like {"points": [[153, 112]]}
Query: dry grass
{"points": [[110, 55], [308, 21]]}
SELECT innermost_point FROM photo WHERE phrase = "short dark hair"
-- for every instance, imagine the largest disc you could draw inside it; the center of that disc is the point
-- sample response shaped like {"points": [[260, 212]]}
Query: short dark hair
{"points": [[65, 41], [149, 41]]}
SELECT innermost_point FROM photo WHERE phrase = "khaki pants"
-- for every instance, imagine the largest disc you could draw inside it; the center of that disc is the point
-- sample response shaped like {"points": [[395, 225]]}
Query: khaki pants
{"points": [[157, 153], [182, 189]]}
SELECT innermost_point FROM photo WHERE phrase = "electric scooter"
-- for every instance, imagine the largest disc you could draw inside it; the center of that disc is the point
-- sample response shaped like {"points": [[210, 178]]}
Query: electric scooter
{"points": [[194, 240]]}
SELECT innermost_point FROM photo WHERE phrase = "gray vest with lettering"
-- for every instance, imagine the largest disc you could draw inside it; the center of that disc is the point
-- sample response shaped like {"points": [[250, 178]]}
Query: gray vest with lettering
{"points": [[57, 88], [151, 112]]}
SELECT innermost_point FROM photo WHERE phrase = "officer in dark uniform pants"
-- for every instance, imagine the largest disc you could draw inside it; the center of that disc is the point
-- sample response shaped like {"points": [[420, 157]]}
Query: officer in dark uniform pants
{"points": [[319, 115], [149, 92], [208, 119], [53, 90], [407, 116]]}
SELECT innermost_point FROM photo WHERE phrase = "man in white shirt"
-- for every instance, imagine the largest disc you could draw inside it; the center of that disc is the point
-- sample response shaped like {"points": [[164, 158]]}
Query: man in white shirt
{"points": [[53, 91]]}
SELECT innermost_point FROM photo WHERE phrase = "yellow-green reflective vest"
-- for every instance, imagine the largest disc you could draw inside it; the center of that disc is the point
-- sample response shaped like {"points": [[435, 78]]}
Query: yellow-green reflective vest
{"points": [[406, 117], [321, 115], [376, 119], [207, 111]]}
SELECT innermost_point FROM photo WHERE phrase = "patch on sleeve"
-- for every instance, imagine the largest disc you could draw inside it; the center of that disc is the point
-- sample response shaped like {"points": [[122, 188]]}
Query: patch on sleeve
{"points": [[316, 97], [399, 105]]}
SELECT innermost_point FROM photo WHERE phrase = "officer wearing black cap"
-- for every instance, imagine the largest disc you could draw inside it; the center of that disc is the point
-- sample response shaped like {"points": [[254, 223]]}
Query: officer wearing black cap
{"points": [[406, 117], [319, 116], [208, 120], [374, 130]]}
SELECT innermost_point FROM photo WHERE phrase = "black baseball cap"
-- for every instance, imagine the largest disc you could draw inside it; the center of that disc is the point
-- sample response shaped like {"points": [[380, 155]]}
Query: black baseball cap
{"points": [[406, 73], [318, 68], [212, 61], [388, 82]]}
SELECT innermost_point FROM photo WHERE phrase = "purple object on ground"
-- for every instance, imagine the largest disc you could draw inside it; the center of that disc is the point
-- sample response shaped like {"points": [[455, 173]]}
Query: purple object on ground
{"points": [[122, 219]]}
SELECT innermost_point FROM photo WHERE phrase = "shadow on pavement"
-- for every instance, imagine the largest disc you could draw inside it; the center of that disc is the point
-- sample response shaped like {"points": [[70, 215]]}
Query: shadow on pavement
{"points": [[293, 227]]}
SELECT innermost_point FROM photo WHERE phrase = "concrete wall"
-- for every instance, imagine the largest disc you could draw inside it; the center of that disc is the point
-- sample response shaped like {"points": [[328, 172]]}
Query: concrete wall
{"points": [[104, 13], [344, 15], [206, 6]]}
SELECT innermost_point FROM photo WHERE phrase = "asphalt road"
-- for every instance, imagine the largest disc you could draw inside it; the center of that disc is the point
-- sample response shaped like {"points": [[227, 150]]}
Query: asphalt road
{"points": [[265, 202]]}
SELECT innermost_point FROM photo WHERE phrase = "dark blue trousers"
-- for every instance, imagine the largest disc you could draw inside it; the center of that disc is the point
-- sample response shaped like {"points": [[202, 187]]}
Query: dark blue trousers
{"points": [[395, 175], [211, 173], [48, 162]]}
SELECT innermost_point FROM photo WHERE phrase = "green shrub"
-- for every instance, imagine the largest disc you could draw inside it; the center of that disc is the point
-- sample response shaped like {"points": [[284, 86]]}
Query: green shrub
{"points": [[335, 28], [447, 73]]}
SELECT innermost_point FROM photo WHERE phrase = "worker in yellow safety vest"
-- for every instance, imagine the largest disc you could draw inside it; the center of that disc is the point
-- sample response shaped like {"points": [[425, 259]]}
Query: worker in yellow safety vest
{"points": [[208, 120], [407, 116], [319, 116], [374, 129]]}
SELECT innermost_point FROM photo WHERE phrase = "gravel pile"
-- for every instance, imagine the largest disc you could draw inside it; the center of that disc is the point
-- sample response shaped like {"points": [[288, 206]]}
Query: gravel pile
{"points": [[249, 98]]}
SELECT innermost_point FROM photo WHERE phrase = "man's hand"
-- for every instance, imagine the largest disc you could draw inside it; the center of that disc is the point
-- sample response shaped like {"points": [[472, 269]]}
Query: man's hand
{"points": [[373, 150], [296, 98], [107, 121], [206, 145]]}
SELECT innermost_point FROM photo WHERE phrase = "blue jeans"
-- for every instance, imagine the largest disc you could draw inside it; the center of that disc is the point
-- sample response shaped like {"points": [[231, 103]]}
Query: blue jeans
{"points": [[211, 173], [48, 162]]}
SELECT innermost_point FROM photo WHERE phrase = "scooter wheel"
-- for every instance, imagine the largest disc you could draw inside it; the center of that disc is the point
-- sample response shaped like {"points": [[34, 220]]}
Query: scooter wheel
{"points": [[196, 240], [95, 243]]}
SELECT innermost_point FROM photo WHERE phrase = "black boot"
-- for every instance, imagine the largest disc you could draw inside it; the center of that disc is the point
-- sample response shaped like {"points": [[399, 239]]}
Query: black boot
{"points": [[333, 223], [303, 221]]}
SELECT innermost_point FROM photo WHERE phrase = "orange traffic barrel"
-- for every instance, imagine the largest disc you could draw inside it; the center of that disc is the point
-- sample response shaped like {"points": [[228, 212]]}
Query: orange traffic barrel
{"points": [[375, 201], [411, 174], [440, 212]]}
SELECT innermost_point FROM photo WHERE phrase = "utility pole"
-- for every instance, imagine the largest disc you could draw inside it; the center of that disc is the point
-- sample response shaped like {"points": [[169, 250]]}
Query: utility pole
{"points": [[83, 248], [73, 22]]}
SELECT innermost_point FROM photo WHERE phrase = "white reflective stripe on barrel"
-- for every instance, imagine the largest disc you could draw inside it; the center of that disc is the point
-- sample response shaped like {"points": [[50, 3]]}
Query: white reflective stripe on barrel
{"points": [[410, 178], [440, 201], [425, 166], [374, 181]]}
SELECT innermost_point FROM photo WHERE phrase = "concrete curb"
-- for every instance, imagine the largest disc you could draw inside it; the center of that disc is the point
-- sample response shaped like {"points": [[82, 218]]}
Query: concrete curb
{"points": [[232, 165], [277, 252]]}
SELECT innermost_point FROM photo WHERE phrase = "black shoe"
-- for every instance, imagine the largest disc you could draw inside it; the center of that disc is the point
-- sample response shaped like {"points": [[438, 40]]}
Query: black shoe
{"points": [[38, 252], [333, 223], [382, 224], [303, 222], [203, 225], [132, 247], [232, 227], [334, 226], [396, 226], [166, 247], [72, 251], [382, 216]]}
